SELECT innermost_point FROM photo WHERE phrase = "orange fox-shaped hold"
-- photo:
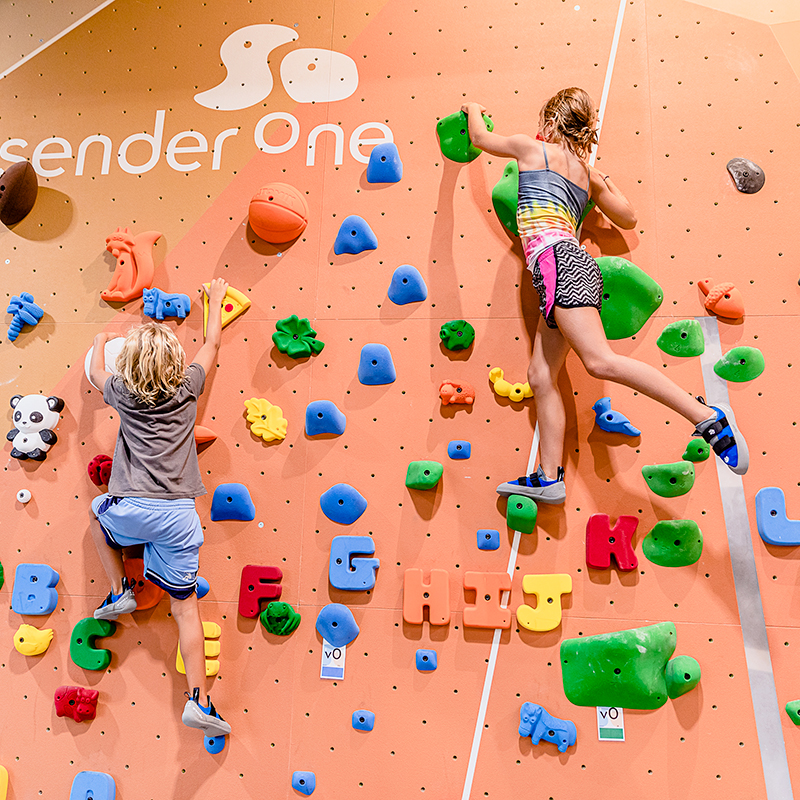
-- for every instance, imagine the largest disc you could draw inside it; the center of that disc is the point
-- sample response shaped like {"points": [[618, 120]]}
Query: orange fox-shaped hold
{"points": [[722, 299], [134, 271]]}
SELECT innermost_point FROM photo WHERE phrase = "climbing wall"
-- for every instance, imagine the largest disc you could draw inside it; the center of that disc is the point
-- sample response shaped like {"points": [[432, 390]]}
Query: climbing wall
{"points": [[689, 86]]}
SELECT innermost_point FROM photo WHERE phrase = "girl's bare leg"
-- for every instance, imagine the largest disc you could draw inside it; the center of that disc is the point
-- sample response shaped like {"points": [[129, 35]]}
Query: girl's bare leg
{"points": [[193, 643], [111, 559]]}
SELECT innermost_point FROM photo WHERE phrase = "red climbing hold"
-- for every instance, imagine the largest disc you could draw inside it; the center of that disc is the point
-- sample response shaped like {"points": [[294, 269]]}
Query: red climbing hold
{"points": [[603, 541]]}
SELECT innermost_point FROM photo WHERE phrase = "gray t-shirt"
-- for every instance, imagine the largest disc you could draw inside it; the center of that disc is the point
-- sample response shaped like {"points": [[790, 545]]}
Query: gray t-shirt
{"points": [[155, 454]]}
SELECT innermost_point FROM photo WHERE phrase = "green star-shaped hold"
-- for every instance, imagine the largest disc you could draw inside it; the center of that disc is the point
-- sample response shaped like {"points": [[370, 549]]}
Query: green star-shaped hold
{"points": [[296, 337]]}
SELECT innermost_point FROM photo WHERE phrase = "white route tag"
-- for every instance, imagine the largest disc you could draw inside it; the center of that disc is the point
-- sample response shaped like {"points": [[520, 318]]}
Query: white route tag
{"points": [[610, 724], [332, 661]]}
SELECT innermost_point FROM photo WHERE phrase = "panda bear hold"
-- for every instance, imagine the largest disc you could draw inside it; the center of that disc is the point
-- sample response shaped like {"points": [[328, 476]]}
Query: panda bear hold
{"points": [[35, 416]]}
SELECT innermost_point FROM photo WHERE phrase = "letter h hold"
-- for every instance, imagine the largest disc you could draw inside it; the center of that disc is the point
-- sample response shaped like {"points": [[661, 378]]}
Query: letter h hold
{"points": [[435, 595]]}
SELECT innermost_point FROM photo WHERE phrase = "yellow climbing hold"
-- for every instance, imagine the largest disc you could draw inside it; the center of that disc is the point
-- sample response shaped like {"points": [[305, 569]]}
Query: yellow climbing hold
{"points": [[31, 641], [266, 420], [211, 633], [514, 391]]}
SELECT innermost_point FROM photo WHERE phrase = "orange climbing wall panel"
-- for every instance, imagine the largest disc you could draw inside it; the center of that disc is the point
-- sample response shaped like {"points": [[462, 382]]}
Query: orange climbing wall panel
{"points": [[692, 86]]}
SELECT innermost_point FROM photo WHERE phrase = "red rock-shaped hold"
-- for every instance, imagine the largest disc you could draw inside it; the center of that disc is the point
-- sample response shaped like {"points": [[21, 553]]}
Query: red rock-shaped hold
{"points": [[76, 702], [99, 469], [722, 299], [603, 541]]}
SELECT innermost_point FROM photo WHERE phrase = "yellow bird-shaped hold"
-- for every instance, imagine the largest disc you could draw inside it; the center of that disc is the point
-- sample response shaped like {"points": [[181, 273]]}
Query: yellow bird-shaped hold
{"points": [[266, 420], [31, 641], [514, 391]]}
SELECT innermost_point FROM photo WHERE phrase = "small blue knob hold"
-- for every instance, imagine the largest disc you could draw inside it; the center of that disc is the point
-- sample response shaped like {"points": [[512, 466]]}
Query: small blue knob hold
{"points": [[354, 237], [337, 625], [375, 366], [202, 588], [304, 782], [342, 503], [214, 744], [426, 660], [363, 720], [488, 539], [322, 416], [232, 501], [459, 449], [407, 286], [384, 165]]}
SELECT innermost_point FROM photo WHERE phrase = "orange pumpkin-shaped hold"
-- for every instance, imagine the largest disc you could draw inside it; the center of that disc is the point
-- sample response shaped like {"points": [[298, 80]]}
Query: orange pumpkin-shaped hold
{"points": [[722, 299]]}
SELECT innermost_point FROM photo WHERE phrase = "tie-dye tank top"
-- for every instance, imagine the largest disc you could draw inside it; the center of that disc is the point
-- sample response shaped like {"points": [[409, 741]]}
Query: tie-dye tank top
{"points": [[549, 209]]}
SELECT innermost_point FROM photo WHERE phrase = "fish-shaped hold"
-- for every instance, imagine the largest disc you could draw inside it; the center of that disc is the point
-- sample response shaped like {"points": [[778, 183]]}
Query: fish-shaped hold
{"points": [[612, 421], [31, 641]]}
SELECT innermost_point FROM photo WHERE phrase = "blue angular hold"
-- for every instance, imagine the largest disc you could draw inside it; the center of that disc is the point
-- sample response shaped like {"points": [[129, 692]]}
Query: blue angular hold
{"points": [[426, 660], [214, 744], [354, 237], [304, 782], [407, 286], [612, 421], [459, 449], [93, 786], [375, 367], [34, 589], [773, 525], [342, 503], [322, 416], [348, 573], [488, 539], [363, 720], [232, 501], [202, 588], [535, 722], [384, 164], [336, 625]]}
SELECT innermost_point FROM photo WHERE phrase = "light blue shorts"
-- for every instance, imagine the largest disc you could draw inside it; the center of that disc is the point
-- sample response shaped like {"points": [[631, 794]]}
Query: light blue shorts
{"points": [[170, 531]]}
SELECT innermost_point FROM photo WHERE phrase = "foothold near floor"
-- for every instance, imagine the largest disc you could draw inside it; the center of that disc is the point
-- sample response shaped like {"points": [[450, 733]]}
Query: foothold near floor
{"points": [[630, 297], [375, 365], [683, 339], [232, 501], [774, 526], [423, 474], [612, 421], [266, 420], [214, 744], [722, 299], [99, 469], [547, 589], [457, 334], [347, 569], [354, 237], [76, 702], [25, 312], [454, 141], [697, 450], [82, 649], [626, 669], [336, 625], [34, 591], [304, 782], [426, 660], [342, 503], [503, 388], [683, 674], [488, 539], [505, 194], [535, 722], [278, 213], [258, 583], [669, 480], [384, 164], [18, 192], [31, 641], [322, 416], [456, 393], [135, 268], [407, 286], [746, 174], [793, 710], [521, 513], [458, 449], [674, 543], [363, 720], [233, 304], [603, 541], [159, 304], [24, 496], [280, 618], [93, 786], [740, 364], [295, 337]]}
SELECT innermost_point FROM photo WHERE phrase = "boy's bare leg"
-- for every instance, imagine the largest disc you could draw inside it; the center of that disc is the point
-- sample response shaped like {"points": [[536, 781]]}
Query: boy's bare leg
{"points": [[110, 558], [193, 644]]}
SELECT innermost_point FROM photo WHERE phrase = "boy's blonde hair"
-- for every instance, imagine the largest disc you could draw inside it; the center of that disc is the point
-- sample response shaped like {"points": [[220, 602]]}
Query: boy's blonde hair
{"points": [[152, 363], [570, 116]]}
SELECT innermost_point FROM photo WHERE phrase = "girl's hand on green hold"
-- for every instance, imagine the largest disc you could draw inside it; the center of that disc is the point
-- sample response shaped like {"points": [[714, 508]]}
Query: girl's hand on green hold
{"points": [[466, 107]]}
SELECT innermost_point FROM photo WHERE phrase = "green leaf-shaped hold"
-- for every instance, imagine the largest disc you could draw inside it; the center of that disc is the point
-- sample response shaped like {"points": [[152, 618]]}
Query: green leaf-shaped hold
{"points": [[669, 480], [683, 674], [280, 618], [793, 710], [630, 297], [673, 543], [82, 648], [423, 474], [457, 334], [453, 133], [740, 364], [2, 576], [697, 450], [505, 195], [296, 337], [683, 339], [521, 513]]}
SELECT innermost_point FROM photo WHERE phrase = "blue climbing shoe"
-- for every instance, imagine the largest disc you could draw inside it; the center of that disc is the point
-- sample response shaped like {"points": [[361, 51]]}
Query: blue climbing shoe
{"points": [[721, 433], [116, 604], [537, 486]]}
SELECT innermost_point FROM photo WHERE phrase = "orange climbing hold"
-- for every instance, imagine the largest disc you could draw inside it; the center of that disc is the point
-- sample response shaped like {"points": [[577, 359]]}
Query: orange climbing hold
{"points": [[435, 595], [489, 588], [278, 213], [203, 435], [456, 392], [722, 299], [147, 593], [135, 267]]}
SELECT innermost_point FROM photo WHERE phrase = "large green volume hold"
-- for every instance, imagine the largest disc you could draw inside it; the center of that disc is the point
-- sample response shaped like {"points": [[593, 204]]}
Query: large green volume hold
{"points": [[625, 669], [683, 338], [670, 480], [673, 543], [453, 133], [630, 297], [740, 364], [505, 196]]}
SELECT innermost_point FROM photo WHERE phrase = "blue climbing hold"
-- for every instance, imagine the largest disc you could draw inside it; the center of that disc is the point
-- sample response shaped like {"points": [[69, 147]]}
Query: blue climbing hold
{"points": [[354, 237], [322, 416], [535, 722], [612, 421], [232, 501], [458, 449], [363, 720], [384, 164], [342, 503], [336, 625], [348, 573], [304, 782], [773, 525], [214, 744], [34, 589], [202, 588], [426, 660], [25, 312], [93, 785], [407, 286], [375, 366], [488, 539]]}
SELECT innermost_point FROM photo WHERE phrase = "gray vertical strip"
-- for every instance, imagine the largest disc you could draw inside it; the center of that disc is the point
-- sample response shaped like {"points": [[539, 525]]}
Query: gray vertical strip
{"points": [[748, 596]]}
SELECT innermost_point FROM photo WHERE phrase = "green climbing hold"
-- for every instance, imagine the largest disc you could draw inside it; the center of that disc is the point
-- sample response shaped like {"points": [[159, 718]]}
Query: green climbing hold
{"points": [[630, 297], [521, 513], [457, 334], [696, 450], [2, 576], [625, 669], [683, 338], [740, 364], [280, 618], [793, 710], [673, 543], [423, 474], [82, 648], [453, 133], [504, 197], [683, 674], [296, 337], [669, 480]]}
